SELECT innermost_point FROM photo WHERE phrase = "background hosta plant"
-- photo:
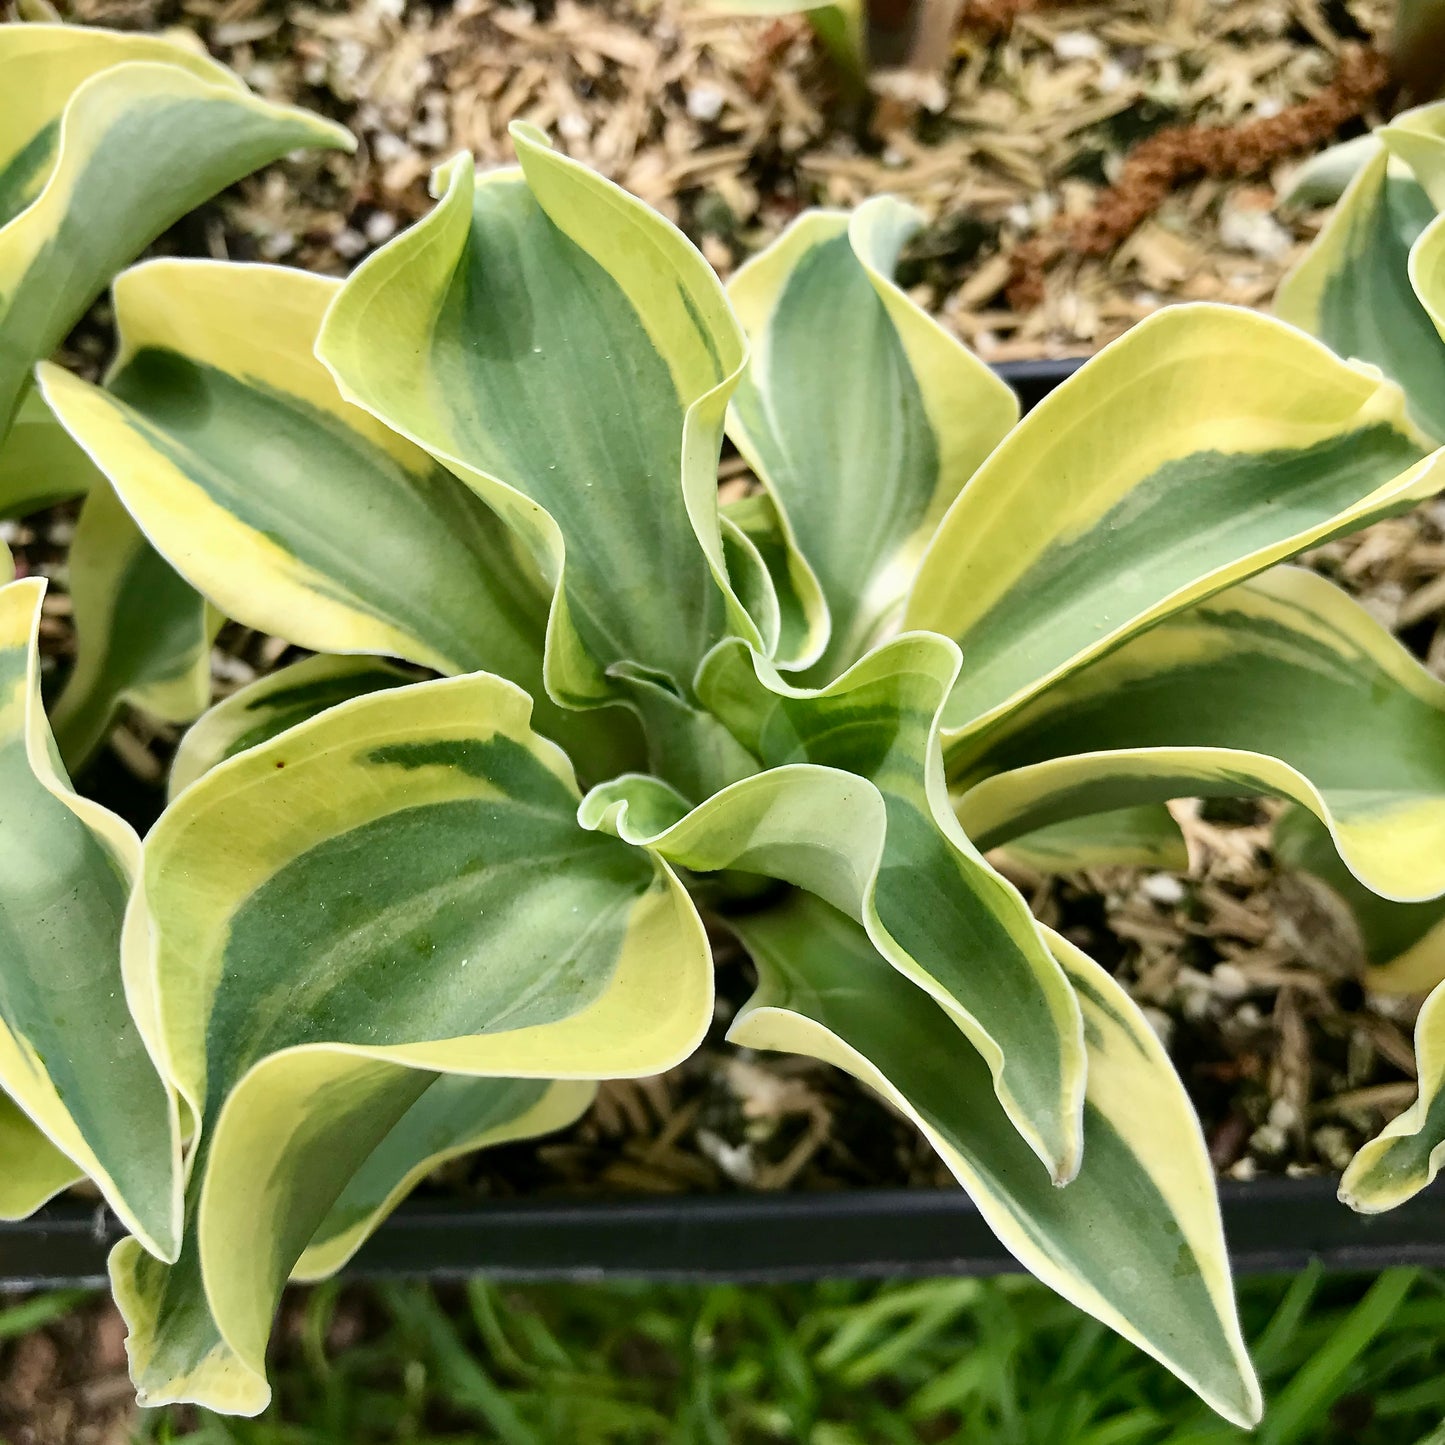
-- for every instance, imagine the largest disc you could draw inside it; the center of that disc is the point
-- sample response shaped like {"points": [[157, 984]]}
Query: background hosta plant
{"points": [[1417, 62], [377, 905], [1368, 286], [1373, 285], [105, 140]]}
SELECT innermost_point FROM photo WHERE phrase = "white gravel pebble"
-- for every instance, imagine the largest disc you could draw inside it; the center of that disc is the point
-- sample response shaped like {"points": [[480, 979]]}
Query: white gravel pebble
{"points": [[1163, 888], [705, 103], [1254, 231], [1077, 45], [380, 226], [1228, 981]]}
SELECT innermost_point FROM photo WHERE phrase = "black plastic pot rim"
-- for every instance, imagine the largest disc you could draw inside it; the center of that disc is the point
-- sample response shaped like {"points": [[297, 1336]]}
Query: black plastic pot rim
{"points": [[1035, 378], [1274, 1224]]}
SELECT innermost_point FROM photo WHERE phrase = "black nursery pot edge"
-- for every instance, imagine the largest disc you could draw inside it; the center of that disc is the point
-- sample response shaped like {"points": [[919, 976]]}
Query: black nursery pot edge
{"points": [[1271, 1224], [1034, 379]]}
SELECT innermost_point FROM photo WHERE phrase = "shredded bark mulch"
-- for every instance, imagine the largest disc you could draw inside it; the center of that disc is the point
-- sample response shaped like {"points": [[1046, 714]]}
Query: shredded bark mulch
{"points": [[1157, 166], [731, 126], [67, 1384]]}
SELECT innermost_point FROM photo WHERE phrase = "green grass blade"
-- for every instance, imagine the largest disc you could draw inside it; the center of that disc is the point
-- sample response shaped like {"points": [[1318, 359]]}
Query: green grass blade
{"points": [[31, 1314], [1307, 1397]]}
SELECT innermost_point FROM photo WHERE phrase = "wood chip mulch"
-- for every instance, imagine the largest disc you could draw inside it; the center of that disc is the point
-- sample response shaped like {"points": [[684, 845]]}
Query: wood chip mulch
{"points": [[67, 1384], [731, 126]]}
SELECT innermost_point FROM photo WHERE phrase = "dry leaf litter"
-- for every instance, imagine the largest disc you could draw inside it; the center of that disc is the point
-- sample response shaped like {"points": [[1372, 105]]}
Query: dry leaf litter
{"points": [[731, 127]]}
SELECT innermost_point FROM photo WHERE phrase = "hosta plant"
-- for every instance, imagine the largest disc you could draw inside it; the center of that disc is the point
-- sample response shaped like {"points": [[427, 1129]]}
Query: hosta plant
{"points": [[1373, 286], [1417, 62], [387, 914], [105, 140]]}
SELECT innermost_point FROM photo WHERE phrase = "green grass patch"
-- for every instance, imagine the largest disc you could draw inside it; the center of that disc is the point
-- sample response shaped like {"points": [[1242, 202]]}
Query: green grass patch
{"points": [[999, 1362]]}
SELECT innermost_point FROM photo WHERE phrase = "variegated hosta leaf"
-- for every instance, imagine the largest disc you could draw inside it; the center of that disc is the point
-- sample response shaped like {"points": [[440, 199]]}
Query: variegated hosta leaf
{"points": [[267, 707], [570, 354], [803, 621], [455, 1116], [106, 140], [42, 67], [1135, 1240], [391, 892], [1142, 837], [1321, 180], [289, 508], [1283, 686], [861, 414], [39, 463], [296, 512], [142, 633], [340, 1147], [1417, 137], [686, 745], [35, 1169], [70, 1054], [1353, 288], [853, 808], [1204, 445], [1404, 942], [1427, 272], [1407, 1154]]}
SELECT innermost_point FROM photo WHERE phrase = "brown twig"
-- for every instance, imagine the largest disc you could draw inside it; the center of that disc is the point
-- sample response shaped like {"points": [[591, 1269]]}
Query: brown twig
{"points": [[1156, 166]]}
